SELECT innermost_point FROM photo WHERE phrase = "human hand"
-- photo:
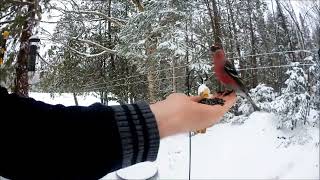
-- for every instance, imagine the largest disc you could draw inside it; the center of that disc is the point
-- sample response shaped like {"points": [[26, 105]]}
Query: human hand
{"points": [[180, 113]]}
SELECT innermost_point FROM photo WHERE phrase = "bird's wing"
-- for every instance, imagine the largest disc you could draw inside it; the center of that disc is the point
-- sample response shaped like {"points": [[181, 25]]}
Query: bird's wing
{"points": [[232, 72]]}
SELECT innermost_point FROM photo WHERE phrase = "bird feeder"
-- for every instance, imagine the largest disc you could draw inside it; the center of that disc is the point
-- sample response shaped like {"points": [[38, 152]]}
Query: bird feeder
{"points": [[33, 47]]}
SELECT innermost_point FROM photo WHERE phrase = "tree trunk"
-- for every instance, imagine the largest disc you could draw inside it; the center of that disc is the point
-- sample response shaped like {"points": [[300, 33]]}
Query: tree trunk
{"points": [[174, 85], [284, 26], [215, 24], [151, 85], [216, 19], [110, 36], [75, 99], [254, 79], [234, 30], [21, 82], [151, 65], [150, 45], [210, 13], [278, 59]]}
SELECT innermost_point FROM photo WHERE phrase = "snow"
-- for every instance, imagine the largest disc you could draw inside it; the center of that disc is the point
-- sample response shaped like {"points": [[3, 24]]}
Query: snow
{"points": [[255, 149], [249, 151], [67, 99], [309, 58]]}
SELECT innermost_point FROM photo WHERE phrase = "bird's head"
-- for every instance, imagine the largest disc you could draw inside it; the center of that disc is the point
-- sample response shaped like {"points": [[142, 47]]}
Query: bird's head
{"points": [[214, 48], [217, 54]]}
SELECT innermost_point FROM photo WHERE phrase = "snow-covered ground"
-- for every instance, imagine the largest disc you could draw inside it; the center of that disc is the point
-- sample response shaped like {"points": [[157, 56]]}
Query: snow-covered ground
{"points": [[66, 99], [253, 150]]}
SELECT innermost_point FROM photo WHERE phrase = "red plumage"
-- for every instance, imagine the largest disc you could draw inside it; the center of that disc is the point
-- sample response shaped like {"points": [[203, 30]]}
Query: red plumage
{"points": [[219, 69], [227, 75]]}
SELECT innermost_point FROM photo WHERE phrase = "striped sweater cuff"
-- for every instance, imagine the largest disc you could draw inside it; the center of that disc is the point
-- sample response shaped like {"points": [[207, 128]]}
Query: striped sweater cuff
{"points": [[138, 132]]}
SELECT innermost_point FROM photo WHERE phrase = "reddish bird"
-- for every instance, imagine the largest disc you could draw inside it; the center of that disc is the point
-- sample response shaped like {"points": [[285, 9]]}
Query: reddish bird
{"points": [[227, 75]]}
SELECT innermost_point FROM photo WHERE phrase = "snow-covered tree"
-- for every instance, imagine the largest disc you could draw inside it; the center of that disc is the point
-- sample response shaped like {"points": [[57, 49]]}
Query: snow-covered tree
{"points": [[294, 103], [263, 96], [155, 39]]}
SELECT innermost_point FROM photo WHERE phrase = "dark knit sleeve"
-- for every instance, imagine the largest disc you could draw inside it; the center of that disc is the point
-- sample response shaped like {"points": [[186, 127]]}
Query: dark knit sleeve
{"points": [[43, 141], [138, 132]]}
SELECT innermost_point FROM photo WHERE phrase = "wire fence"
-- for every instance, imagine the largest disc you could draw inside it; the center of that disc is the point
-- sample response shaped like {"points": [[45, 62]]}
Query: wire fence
{"points": [[106, 85], [167, 78]]}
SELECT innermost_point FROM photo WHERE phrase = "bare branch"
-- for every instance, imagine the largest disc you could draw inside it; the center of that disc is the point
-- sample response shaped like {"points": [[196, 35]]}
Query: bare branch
{"points": [[96, 44], [42, 59]]}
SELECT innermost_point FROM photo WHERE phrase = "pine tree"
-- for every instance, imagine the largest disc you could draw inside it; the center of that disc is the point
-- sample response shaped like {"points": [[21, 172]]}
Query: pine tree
{"points": [[293, 104]]}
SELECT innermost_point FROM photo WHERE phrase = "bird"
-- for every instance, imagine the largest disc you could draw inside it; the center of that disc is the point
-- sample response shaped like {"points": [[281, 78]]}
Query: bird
{"points": [[227, 75]]}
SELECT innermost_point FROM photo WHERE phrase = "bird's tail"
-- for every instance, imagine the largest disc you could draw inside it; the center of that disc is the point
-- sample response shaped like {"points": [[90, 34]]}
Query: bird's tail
{"points": [[255, 107]]}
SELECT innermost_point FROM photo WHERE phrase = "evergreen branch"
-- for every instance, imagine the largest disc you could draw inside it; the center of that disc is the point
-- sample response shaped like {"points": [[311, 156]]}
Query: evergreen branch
{"points": [[96, 44]]}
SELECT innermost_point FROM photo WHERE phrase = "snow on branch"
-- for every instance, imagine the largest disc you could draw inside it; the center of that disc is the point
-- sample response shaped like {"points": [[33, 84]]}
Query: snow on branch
{"points": [[21, 2], [55, 22], [85, 54], [6, 22], [115, 21], [107, 50]]}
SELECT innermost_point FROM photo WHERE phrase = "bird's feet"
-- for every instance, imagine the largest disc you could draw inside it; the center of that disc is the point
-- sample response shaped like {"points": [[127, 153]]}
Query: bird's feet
{"points": [[220, 93], [226, 93]]}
